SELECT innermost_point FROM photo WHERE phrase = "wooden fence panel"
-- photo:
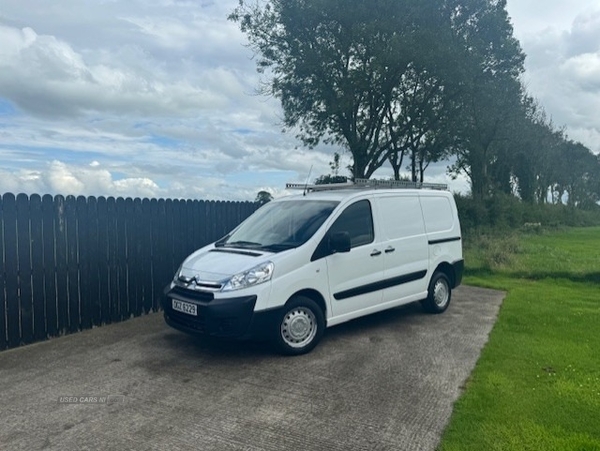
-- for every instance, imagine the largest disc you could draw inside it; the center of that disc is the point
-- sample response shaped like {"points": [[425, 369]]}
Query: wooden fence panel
{"points": [[69, 264], [37, 267], [50, 295], [169, 232], [200, 224], [24, 259], [146, 244], [60, 231], [188, 227], [3, 337], [177, 238], [11, 283], [121, 261], [106, 311], [159, 257], [209, 221], [72, 264], [131, 262], [94, 260], [85, 254]]}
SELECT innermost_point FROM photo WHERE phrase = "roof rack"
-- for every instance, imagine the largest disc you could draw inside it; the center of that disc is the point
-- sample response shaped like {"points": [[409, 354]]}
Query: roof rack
{"points": [[368, 184]]}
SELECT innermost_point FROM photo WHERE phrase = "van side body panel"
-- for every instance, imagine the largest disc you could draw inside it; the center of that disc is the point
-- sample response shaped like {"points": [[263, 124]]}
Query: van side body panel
{"points": [[406, 253], [420, 230]]}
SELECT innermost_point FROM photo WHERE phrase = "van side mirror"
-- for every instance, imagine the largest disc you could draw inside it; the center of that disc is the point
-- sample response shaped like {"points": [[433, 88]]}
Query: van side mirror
{"points": [[339, 242]]}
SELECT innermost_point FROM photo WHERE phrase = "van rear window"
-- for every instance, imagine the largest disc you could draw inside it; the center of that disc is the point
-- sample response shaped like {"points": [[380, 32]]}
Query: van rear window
{"points": [[437, 213]]}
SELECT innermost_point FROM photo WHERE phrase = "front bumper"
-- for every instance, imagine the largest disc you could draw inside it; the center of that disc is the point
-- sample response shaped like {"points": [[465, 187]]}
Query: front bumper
{"points": [[223, 317]]}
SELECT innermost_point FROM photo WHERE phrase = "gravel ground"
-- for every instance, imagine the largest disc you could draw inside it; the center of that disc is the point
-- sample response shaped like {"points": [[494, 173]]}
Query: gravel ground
{"points": [[385, 382]]}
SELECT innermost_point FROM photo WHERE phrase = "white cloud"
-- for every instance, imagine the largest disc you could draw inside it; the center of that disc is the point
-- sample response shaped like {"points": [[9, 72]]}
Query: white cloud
{"points": [[14, 40], [584, 70], [92, 180], [60, 179], [563, 72], [530, 17], [21, 181], [45, 76], [168, 32]]}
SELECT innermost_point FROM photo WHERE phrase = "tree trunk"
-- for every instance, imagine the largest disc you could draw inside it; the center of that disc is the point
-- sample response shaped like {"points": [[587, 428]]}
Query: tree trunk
{"points": [[413, 165], [479, 182]]}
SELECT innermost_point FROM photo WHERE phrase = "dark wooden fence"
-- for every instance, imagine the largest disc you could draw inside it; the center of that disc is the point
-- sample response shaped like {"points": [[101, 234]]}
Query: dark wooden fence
{"points": [[68, 263]]}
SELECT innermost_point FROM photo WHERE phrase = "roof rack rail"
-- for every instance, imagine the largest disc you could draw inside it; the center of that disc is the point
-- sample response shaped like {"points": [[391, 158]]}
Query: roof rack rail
{"points": [[324, 187], [368, 184], [400, 184]]}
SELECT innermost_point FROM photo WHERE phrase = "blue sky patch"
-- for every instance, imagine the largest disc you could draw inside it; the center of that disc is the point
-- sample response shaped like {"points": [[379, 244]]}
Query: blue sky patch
{"points": [[7, 108]]}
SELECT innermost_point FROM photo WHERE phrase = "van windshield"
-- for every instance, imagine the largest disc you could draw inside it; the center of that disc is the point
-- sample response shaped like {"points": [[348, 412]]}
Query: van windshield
{"points": [[279, 226]]}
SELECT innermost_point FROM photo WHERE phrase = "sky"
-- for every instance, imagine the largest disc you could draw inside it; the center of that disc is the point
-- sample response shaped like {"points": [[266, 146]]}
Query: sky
{"points": [[157, 98]]}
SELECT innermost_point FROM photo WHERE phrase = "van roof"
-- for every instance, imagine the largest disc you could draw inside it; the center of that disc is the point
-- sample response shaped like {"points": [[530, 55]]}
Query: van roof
{"points": [[368, 184], [343, 194], [360, 187]]}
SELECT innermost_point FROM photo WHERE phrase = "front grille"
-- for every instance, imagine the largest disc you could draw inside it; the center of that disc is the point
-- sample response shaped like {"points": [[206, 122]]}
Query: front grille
{"points": [[195, 283], [191, 295]]}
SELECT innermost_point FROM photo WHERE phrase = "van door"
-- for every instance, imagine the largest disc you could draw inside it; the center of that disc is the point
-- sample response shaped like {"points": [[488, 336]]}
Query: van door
{"points": [[406, 249], [354, 276]]}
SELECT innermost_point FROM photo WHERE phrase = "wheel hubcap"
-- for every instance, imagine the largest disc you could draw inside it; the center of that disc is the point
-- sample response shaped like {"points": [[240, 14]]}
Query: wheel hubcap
{"points": [[440, 293], [298, 327]]}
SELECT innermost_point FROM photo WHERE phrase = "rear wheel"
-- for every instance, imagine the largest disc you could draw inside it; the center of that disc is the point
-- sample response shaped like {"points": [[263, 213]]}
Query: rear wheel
{"points": [[300, 326], [439, 293]]}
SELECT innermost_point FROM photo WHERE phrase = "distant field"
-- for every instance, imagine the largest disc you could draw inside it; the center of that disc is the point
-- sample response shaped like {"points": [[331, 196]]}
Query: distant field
{"points": [[537, 383]]}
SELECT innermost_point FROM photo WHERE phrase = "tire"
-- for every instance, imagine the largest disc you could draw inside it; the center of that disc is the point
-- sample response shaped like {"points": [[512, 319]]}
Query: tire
{"points": [[300, 327], [439, 294]]}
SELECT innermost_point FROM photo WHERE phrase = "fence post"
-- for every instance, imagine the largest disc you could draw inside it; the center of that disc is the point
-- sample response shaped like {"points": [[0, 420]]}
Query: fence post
{"points": [[11, 283], [37, 267], [3, 337], [50, 265]]}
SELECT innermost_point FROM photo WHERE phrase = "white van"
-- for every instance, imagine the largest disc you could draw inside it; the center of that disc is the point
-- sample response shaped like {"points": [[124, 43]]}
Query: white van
{"points": [[302, 263]]}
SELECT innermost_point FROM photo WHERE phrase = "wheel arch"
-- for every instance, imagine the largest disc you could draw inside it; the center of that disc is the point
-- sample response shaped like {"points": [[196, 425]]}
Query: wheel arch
{"points": [[315, 296], [448, 270]]}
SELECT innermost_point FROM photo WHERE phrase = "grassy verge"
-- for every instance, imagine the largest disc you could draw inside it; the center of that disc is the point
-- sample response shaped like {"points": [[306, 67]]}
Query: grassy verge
{"points": [[537, 383]]}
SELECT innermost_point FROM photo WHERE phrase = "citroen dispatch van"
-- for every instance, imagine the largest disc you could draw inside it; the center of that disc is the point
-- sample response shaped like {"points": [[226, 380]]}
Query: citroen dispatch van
{"points": [[306, 262]]}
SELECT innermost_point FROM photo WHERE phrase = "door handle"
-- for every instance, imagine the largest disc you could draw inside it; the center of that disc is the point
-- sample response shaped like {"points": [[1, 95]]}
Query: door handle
{"points": [[390, 249], [375, 253]]}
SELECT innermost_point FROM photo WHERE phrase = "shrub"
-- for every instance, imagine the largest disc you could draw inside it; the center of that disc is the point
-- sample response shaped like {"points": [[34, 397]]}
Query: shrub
{"points": [[506, 212]]}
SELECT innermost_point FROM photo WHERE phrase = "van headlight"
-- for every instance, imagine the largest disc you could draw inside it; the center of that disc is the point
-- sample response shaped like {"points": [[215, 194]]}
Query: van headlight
{"points": [[257, 275]]}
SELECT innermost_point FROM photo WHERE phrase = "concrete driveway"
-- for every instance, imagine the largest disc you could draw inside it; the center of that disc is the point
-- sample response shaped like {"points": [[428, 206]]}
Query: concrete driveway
{"points": [[386, 382]]}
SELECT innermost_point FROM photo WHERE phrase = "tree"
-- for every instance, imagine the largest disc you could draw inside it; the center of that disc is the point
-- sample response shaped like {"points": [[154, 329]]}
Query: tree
{"points": [[579, 174], [490, 91], [430, 130], [535, 156], [385, 77], [416, 122], [337, 70], [263, 197]]}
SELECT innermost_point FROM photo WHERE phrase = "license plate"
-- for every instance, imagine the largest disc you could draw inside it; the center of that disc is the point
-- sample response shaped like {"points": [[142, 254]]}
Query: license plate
{"points": [[185, 307]]}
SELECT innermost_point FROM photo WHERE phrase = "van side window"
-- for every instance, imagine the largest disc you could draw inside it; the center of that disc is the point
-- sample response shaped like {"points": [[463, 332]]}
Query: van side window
{"points": [[357, 220]]}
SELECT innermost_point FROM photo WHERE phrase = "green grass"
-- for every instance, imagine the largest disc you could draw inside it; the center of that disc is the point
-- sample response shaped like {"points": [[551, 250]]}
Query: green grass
{"points": [[537, 383]]}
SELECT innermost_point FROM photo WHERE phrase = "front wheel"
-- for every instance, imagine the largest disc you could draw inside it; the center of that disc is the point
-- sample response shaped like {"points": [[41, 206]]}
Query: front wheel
{"points": [[439, 294], [300, 326]]}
